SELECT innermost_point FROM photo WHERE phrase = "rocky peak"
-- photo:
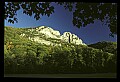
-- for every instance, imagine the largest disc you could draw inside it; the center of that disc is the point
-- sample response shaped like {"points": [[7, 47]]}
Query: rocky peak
{"points": [[54, 34], [72, 38], [49, 32]]}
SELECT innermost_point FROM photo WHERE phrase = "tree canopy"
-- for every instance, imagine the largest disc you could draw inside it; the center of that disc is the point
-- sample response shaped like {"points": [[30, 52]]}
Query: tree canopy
{"points": [[23, 56], [84, 14]]}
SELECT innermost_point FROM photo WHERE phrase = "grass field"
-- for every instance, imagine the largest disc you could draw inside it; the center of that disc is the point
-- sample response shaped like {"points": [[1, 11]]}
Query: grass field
{"points": [[99, 75]]}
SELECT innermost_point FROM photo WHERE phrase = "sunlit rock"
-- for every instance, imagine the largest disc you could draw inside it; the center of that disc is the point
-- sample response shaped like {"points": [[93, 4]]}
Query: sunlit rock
{"points": [[49, 36], [49, 32], [71, 38]]}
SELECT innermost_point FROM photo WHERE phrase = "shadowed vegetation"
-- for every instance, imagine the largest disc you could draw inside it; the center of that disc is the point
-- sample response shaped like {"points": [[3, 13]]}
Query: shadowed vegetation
{"points": [[22, 56]]}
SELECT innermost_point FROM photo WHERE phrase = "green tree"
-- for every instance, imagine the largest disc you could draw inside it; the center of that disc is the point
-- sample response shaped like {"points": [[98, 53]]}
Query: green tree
{"points": [[84, 14], [110, 47]]}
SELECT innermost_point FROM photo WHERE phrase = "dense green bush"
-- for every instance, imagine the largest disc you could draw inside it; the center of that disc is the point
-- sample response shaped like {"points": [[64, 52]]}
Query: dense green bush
{"points": [[110, 47]]}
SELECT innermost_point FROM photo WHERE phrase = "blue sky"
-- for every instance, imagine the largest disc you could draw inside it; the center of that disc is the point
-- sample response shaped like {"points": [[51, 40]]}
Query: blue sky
{"points": [[61, 20]]}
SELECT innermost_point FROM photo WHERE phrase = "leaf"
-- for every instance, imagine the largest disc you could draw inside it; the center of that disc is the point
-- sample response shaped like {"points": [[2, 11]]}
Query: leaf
{"points": [[24, 11], [15, 19], [12, 21], [23, 6], [11, 16], [42, 13], [48, 14]]}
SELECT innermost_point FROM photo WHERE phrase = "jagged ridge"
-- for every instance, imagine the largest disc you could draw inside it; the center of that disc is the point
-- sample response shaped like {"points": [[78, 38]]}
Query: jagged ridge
{"points": [[48, 36]]}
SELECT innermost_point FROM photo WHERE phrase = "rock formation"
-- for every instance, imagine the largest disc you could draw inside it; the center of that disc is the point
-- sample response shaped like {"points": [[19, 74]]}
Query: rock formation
{"points": [[48, 32], [71, 38], [48, 36]]}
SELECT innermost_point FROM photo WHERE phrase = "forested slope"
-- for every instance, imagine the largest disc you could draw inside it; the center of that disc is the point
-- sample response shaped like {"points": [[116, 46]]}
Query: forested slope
{"points": [[22, 55]]}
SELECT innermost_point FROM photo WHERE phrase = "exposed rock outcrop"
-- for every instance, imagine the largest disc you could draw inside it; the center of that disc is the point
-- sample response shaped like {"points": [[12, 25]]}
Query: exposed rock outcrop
{"points": [[44, 35], [71, 38], [49, 32]]}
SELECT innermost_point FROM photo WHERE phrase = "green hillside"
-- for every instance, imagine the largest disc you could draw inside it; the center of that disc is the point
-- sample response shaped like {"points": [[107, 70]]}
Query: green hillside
{"points": [[110, 47], [24, 56]]}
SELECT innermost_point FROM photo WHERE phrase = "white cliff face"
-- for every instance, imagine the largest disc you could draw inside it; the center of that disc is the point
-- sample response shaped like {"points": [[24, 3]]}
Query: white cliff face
{"points": [[71, 38], [48, 32]]}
